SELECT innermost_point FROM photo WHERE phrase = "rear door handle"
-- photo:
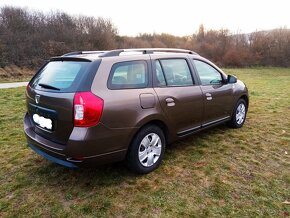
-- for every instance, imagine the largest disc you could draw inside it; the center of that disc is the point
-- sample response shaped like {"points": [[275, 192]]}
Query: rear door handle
{"points": [[170, 102], [208, 96]]}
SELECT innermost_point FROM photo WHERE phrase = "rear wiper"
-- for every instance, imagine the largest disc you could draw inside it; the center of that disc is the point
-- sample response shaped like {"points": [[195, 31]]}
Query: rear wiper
{"points": [[48, 86]]}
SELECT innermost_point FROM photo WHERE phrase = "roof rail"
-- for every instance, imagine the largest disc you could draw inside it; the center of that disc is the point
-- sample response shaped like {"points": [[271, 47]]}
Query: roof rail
{"points": [[145, 51], [72, 53], [82, 52], [117, 52], [112, 53], [152, 50]]}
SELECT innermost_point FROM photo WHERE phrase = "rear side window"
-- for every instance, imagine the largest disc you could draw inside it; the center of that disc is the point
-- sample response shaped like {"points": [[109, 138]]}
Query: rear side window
{"points": [[128, 75], [173, 72], [60, 75]]}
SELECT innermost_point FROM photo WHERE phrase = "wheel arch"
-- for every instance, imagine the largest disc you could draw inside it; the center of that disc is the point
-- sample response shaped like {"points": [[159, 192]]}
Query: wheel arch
{"points": [[161, 125], [246, 98], [157, 122]]}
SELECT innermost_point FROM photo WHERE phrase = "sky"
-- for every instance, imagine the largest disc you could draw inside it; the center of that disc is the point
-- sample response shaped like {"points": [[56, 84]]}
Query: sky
{"points": [[177, 17]]}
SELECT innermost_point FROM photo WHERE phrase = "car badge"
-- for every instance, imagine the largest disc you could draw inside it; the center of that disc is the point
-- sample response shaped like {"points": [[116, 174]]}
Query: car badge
{"points": [[37, 98]]}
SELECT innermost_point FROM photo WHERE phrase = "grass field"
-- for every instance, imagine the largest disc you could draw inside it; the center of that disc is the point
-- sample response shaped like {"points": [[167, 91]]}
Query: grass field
{"points": [[221, 172]]}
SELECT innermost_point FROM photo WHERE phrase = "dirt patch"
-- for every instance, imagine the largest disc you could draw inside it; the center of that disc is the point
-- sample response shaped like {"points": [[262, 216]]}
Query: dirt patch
{"points": [[13, 72]]}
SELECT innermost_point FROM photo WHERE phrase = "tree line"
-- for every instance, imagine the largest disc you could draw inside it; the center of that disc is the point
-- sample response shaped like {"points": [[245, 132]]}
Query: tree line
{"points": [[27, 38]]}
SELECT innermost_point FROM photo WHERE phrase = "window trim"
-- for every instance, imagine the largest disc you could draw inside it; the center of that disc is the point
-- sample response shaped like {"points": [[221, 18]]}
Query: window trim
{"points": [[162, 71], [171, 58], [124, 87]]}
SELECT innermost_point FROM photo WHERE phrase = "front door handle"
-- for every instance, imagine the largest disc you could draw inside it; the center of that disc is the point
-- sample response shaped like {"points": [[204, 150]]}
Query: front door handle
{"points": [[170, 102]]}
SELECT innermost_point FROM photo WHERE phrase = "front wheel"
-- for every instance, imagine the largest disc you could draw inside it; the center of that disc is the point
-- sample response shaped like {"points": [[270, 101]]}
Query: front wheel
{"points": [[147, 149], [239, 114]]}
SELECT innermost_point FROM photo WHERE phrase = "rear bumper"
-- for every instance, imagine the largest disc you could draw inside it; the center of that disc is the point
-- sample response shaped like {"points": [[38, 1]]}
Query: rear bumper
{"points": [[85, 147], [51, 158]]}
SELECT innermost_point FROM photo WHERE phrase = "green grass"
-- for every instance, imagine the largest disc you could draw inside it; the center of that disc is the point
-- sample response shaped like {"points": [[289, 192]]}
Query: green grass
{"points": [[221, 172]]}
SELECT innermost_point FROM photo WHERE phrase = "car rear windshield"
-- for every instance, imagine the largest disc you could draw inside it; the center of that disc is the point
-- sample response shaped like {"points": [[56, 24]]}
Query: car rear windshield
{"points": [[62, 76]]}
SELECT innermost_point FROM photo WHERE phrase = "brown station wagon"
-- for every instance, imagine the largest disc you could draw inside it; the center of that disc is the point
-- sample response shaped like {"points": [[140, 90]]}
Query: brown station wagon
{"points": [[95, 107]]}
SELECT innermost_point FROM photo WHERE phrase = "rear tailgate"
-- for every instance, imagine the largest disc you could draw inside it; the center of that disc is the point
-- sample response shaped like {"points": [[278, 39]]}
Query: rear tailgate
{"points": [[50, 96], [56, 108]]}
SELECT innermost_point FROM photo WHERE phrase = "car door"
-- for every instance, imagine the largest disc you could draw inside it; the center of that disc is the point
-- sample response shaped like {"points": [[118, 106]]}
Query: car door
{"points": [[217, 95], [180, 99]]}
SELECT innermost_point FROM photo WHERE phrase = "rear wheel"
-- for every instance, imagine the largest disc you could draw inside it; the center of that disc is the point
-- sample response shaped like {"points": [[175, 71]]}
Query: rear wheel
{"points": [[147, 149], [239, 115]]}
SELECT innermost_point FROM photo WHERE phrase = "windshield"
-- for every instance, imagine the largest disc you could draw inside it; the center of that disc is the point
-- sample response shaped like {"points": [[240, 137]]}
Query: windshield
{"points": [[60, 75]]}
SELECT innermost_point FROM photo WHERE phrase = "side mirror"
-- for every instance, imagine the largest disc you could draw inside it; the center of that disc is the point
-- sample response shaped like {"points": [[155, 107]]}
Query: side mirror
{"points": [[231, 79]]}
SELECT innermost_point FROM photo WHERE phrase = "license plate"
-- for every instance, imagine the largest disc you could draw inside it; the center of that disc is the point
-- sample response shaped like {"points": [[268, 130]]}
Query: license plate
{"points": [[42, 121]]}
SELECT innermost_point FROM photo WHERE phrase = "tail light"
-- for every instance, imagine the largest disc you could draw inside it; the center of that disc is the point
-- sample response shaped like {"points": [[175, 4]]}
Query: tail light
{"points": [[27, 87], [88, 109]]}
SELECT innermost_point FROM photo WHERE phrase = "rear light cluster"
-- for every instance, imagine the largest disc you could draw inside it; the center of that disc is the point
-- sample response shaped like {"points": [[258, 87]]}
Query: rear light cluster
{"points": [[88, 109], [27, 88]]}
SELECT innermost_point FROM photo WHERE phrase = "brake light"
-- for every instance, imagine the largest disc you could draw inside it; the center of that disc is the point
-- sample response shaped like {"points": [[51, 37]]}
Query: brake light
{"points": [[88, 109]]}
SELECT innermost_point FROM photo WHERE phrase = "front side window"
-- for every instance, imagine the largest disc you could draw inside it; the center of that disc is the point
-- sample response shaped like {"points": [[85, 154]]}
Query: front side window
{"points": [[207, 74], [173, 72], [130, 74]]}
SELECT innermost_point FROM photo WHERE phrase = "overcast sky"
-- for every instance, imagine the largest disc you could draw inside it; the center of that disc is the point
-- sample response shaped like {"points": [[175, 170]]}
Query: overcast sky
{"points": [[177, 17]]}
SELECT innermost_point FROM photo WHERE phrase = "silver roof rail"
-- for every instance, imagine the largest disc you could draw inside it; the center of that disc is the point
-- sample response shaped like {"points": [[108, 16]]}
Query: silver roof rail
{"points": [[117, 52], [152, 50], [112, 53], [145, 51], [83, 52]]}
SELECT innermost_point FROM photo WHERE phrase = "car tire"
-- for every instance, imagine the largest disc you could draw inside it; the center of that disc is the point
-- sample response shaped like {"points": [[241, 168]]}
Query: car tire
{"points": [[239, 115], [147, 150]]}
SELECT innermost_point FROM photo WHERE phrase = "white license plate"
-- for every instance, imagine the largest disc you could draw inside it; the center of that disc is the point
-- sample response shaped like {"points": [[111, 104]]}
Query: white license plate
{"points": [[42, 121]]}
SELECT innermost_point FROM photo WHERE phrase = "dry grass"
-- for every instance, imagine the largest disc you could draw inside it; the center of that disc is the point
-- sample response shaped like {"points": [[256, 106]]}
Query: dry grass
{"points": [[13, 73], [221, 172]]}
